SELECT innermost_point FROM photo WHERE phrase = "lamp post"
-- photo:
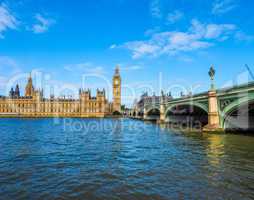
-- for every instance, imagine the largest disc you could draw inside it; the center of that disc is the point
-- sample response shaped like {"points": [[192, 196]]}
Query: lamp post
{"points": [[212, 75], [213, 111]]}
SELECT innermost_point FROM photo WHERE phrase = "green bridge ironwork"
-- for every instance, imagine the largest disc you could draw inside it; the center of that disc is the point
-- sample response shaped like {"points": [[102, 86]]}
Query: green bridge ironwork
{"points": [[221, 103]]}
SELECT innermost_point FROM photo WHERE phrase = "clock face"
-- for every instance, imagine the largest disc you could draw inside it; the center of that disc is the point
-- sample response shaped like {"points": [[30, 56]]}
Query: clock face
{"points": [[116, 82]]}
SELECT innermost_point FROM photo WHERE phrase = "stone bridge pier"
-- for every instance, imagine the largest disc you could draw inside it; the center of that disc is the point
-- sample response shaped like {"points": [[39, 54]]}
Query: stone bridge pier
{"points": [[213, 113], [162, 112]]}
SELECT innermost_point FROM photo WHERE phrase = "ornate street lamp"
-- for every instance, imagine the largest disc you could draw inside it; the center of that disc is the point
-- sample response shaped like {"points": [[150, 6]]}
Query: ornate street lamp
{"points": [[212, 75]]}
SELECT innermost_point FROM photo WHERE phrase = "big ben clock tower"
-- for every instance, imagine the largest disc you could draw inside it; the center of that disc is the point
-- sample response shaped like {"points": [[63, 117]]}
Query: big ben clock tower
{"points": [[117, 91]]}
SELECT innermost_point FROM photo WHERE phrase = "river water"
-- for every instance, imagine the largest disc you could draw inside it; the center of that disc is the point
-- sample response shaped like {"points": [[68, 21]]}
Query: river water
{"points": [[120, 159]]}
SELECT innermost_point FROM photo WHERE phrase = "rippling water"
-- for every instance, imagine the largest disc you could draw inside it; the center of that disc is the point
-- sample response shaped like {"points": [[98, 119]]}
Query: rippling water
{"points": [[120, 159]]}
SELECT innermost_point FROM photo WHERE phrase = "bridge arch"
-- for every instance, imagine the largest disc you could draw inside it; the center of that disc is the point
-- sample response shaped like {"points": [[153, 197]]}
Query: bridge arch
{"points": [[194, 104], [189, 113], [153, 114], [239, 115], [140, 114], [149, 109], [116, 113]]}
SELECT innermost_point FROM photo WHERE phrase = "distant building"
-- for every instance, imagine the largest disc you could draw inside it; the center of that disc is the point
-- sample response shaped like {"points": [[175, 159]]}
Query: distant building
{"points": [[33, 104], [145, 99]]}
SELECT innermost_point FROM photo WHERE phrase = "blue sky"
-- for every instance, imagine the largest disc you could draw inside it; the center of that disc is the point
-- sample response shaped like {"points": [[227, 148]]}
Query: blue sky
{"points": [[177, 40]]}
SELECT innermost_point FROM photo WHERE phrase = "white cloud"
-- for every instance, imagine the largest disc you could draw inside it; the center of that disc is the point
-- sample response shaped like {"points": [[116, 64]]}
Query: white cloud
{"points": [[155, 9], [223, 6], [174, 17], [42, 25], [152, 31], [198, 36], [7, 20], [113, 46], [241, 36], [140, 48], [214, 30]]}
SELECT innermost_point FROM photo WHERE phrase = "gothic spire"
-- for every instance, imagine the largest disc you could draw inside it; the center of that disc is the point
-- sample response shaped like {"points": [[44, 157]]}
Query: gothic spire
{"points": [[29, 87], [117, 70]]}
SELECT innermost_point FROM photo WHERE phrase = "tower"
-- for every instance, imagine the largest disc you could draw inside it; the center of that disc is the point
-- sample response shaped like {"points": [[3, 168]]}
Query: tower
{"points": [[11, 93], [29, 87], [17, 92], [117, 91]]}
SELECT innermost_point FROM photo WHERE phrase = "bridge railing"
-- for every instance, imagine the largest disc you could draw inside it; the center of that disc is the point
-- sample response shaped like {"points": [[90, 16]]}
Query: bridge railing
{"points": [[219, 91], [236, 87]]}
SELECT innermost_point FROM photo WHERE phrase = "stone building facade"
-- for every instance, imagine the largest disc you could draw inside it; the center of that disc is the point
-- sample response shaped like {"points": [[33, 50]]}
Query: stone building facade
{"points": [[33, 103], [145, 99]]}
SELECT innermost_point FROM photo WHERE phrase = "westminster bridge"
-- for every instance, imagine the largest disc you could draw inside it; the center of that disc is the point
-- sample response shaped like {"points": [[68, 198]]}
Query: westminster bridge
{"points": [[215, 110]]}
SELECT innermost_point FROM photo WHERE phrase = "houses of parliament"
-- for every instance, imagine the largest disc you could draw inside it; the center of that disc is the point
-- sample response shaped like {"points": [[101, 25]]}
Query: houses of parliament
{"points": [[33, 103]]}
